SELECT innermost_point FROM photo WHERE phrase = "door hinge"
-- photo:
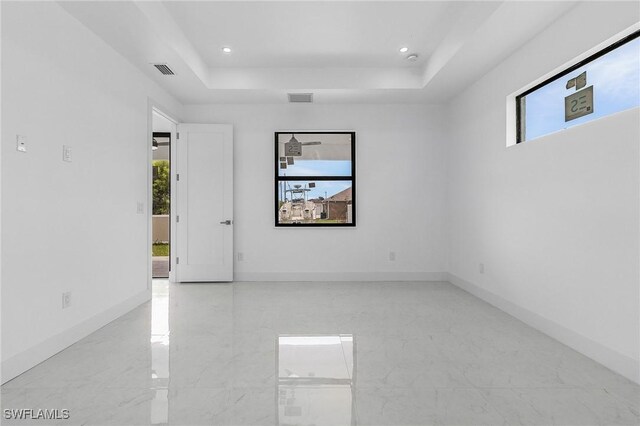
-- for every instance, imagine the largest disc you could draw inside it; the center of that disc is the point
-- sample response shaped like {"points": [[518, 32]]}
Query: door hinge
{"points": [[177, 218], [178, 176], [177, 260]]}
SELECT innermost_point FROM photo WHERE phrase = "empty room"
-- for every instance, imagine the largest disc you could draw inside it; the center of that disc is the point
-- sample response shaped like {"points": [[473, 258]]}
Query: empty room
{"points": [[320, 213]]}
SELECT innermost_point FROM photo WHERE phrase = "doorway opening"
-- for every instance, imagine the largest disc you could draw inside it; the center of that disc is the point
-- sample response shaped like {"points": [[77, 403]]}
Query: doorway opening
{"points": [[161, 205]]}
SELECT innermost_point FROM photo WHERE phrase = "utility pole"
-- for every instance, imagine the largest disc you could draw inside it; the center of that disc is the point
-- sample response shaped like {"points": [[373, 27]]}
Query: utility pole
{"points": [[327, 201]]}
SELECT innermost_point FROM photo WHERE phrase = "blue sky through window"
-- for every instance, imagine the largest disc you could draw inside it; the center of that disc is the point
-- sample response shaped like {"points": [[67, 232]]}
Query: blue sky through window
{"points": [[317, 168], [323, 189], [615, 77]]}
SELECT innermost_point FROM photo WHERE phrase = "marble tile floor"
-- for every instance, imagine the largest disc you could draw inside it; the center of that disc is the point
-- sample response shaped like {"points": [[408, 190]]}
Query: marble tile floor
{"points": [[358, 353]]}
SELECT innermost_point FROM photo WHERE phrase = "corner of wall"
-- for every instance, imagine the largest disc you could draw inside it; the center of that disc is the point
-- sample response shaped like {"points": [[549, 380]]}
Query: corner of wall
{"points": [[621, 364], [33, 356]]}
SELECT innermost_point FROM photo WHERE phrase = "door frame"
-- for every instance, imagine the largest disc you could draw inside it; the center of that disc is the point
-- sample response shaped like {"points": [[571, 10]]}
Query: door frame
{"points": [[158, 108], [168, 135]]}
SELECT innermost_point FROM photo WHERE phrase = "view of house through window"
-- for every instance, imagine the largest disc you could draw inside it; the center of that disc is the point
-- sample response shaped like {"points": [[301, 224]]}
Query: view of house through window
{"points": [[315, 179], [603, 84]]}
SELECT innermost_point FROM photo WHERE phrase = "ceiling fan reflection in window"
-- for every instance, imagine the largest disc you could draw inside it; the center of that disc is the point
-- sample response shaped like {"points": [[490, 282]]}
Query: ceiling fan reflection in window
{"points": [[293, 148]]}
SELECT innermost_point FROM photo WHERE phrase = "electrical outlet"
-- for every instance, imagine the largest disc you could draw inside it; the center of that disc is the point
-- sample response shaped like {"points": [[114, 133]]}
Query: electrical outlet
{"points": [[21, 143], [140, 207], [240, 256], [392, 256], [481, 268], [66, 300]]}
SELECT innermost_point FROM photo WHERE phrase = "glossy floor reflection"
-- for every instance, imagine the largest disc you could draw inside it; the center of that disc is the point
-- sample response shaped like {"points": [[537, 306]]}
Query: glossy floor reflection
{"points": [[322, 354], [316, 373]]}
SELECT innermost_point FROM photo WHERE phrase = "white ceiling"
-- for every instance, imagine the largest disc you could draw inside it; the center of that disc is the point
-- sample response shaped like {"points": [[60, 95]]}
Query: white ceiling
{"points": [[313, 34], [342, 51]]}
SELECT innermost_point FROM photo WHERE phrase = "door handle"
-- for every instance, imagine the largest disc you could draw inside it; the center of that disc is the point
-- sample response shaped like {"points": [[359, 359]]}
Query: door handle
{"points": [[225, 222]]}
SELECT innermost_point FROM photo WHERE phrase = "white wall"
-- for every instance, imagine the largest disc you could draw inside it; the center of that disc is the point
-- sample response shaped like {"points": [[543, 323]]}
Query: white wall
{"points": [[554, 220], [400, 193], [64, 85]]}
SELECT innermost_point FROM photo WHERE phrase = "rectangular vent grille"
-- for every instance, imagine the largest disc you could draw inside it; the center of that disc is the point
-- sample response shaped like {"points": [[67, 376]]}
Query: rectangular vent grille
{"points": [[301, 97], [164, 69]]}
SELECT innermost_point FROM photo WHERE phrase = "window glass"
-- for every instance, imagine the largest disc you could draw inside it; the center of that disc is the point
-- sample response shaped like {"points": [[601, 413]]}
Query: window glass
{"points": [[315, 179], [308, 154], [611, 80], [322, 202]]}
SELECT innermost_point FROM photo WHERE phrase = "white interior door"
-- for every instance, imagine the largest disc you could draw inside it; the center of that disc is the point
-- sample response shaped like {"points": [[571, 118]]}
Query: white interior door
{"points": [[204, 217]]}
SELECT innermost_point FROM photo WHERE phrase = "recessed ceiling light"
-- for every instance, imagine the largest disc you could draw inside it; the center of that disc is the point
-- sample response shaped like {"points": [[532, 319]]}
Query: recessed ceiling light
{"points": [[226, 49], [404, 49], [413, 57]]}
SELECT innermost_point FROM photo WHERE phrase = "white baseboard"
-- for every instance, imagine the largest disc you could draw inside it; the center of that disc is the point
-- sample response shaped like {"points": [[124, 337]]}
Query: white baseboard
{"points": [[33, 356], [621, 364], [340, 276]]}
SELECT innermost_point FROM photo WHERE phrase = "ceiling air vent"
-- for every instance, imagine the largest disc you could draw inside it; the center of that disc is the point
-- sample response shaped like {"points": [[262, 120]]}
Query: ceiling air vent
{"points": [[301, 97], [164, 69]]}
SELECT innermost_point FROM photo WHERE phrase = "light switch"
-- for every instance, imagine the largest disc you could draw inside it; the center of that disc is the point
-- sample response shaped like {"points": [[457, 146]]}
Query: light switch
{"points": [[140, 209], [66, 300], [66, 153], [21, 143]]}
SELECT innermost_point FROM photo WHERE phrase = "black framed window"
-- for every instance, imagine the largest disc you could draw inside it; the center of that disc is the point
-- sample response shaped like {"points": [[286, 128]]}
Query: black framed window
{"points": [[315, 179], [602, 84]]}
